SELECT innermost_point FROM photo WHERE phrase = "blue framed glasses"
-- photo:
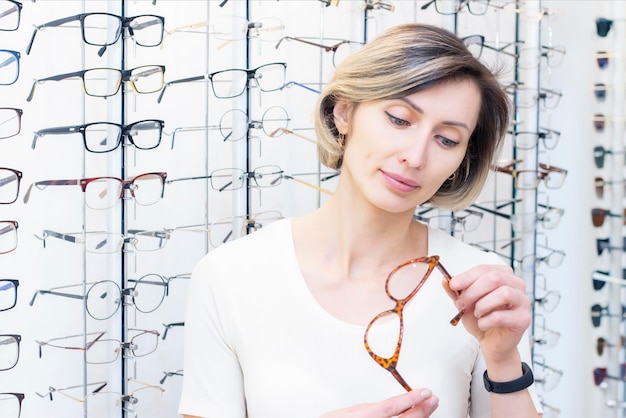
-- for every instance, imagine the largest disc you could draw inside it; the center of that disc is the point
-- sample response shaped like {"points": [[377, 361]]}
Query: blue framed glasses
{"points": [[9, 66]]}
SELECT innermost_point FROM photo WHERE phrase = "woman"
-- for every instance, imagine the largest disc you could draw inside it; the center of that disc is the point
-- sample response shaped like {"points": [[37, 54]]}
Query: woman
{"points": [[276, 320]]}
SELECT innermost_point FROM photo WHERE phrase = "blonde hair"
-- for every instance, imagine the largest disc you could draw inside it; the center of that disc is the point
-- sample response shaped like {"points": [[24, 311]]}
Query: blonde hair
{"points": [[406, 59]]}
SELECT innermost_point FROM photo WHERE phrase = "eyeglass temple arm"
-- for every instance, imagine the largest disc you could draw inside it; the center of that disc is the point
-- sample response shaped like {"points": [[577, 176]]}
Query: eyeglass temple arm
{"points": [[58, 77], [7, 180], [9, 60], [45, 183], [13, 284], [53, 23], [294, 83], [52, 292], [59, 130], [15, 8], [182, 80], [306, 183], [171, 325]]}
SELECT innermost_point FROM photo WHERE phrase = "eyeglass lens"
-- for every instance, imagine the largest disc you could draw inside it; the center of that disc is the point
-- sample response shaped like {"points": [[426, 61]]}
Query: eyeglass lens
{"points": [[103, 299], [11, 404], [108, 350], [10, 13], [8, 236], [9, 351], [232, 83], [9, 185], [602, 59], [8, 294], [603, 26], [9, 66], [104, 29], [10, 122]]}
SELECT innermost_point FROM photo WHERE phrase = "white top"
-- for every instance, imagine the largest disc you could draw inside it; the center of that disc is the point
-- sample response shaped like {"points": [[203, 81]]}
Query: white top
{"points": [[258, 345]]}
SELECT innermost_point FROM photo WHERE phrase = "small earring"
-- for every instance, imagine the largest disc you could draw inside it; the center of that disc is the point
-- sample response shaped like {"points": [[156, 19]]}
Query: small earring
{"points": [[452, 176], [341, 139]]}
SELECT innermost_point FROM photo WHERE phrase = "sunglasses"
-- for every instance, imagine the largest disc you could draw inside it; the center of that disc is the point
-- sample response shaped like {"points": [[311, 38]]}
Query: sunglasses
{"points": [[598, 216], [600, 374], [603, 26], [601, 343], [602, 59], [598, 311], [598, 283]]}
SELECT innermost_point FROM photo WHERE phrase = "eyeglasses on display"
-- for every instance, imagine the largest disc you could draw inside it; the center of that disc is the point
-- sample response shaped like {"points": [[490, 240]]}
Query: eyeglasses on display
{"points": [[548, 217], [9, 67], [10, 122], [339, 54], [600, 278], [230, 83], [409, 277], [170, 326], [551, 176], [552, 258], [529, 140], [603, 26], [599, 121], [549, 301], [100, 137], [598, 311], [548, 377], [8, 236], [104, 192], [603, 244], [67, 342], [8, 293], [11, 404], [64, 391], [466, 220], [598, 215], [599, 152], [301, 85], [450, 7], [233, 28], [476, 44], [600, 183], [178, 372], [602, 343], [9, 351], [106, 82], [548, 338], [530, 58], [602, 59], [102, 242], [144, 400], [10, 15], [599, 91], [377, 5], [141, 343], [9, 185], [600, 374], [104, 29], [224, 230], [234, 178]]}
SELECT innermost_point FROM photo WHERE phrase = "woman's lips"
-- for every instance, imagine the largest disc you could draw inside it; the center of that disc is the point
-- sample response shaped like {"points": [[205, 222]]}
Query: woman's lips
{"points": [[400, 183]]}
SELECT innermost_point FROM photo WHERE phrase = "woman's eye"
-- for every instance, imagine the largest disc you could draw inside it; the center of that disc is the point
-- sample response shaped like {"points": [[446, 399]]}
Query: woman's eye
{"points": [[447, 141], [396, 121]]}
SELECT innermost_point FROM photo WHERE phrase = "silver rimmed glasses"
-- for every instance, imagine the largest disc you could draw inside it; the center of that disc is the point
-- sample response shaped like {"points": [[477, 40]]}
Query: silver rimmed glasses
{"points": [[450, 7], [339, 53], [234, 178]]}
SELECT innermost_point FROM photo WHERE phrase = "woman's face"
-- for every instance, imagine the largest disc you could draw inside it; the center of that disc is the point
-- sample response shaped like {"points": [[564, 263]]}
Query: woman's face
{"points": [[399, 152]]}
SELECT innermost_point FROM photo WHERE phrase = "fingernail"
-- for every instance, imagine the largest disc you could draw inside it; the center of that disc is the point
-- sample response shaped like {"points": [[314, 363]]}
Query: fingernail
{"points": [[425, 394], [460, 304]]}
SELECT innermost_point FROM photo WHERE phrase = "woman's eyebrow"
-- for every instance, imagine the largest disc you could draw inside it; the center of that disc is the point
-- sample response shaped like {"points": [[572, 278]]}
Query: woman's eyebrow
{"points": [[445, 122]]}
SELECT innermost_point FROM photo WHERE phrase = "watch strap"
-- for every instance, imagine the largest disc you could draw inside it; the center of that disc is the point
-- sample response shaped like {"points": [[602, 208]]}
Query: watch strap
{"points": [[516, 385]]}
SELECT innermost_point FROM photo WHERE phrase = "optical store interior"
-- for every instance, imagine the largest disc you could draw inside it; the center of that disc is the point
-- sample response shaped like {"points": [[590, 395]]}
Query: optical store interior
{"points": [[93, 289]]}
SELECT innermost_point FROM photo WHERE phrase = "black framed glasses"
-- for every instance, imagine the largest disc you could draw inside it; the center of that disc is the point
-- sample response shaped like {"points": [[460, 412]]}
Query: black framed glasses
{"points": [[10, 122], [529, 139], [599, 152], [230, 83], [234, 178], [402, 284], [104, 29], [10, 15], [9, 351], [9, 66], [548, 217], [11, 404], [10, 180], [104, 192], [451, 7], [339, 53], [599, 278], [171, 325], [8, 293], [166, 375], [476, 44], [100, 137], [467, 219], [102, 242], [106, 82], [8, 236]]}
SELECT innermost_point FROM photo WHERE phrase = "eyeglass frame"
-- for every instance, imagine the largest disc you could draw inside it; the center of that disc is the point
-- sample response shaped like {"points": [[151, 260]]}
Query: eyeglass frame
{"points": [[81, 129], [244, 175], [13, 338], [15, 57], [251, 74], [20, 399], [126, 184], [75, 238], [390, 363], [125, 75], [14, 283], [17, 7], [18, 178], [543, 171], [12, 226], [19, 113], [327, 48], [124, 23]]}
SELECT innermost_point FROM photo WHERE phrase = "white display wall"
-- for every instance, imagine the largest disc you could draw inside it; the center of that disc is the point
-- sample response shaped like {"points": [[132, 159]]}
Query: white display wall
{"points": [[193, 144]]}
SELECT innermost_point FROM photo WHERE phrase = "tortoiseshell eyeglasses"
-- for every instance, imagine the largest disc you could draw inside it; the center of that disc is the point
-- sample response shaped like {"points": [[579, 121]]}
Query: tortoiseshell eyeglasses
{"points": [[409, 277]]}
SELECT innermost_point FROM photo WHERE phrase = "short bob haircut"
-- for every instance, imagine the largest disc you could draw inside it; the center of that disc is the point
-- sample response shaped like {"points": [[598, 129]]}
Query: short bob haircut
{"points": [[406, 59]]}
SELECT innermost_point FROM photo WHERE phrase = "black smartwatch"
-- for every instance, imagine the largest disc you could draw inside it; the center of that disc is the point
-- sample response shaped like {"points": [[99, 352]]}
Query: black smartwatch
{"points": [[516, 385]]}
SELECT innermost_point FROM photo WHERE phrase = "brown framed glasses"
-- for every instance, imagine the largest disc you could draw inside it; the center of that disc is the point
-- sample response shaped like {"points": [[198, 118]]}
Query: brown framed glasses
{"points": [[598, 215], [409, 277]]}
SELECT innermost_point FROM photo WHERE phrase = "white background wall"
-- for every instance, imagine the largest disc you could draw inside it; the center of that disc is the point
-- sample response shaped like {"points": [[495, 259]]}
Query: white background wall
{"points": [[59, 50]]}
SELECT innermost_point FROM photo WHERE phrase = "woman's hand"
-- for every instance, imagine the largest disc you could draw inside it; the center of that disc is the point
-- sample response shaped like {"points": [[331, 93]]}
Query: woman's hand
{"points": [[418, 403], [496, 308]]}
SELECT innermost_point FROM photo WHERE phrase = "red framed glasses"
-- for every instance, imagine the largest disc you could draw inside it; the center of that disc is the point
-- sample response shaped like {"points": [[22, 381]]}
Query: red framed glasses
{"points": [[401, 286]]}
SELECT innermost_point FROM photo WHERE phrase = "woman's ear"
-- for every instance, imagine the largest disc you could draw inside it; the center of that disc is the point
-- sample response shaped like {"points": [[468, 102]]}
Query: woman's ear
{"points": [[341, 114]]}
